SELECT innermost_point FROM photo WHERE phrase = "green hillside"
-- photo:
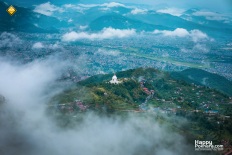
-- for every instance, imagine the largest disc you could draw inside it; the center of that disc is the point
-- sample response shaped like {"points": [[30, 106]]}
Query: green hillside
{"points": [[208, 111], [202, 77]]}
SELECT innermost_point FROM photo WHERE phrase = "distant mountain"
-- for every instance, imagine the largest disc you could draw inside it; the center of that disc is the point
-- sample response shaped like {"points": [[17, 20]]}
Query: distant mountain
{"points": [[185, 21], [121, 10], [217, 24], [87, 17], [99, 16], [25, 20], [16, 22], [167, 20], [202, 77], [122, 22]]}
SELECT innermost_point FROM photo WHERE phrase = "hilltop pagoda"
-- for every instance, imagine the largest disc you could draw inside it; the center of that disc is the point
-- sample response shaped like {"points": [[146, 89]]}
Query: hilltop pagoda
{"points": [[114, 80]]}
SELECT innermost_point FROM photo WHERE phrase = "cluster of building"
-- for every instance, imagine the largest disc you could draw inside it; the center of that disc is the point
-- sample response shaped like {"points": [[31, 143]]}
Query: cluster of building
{"points": [[150, 93], [77, 105], [146, 90]]}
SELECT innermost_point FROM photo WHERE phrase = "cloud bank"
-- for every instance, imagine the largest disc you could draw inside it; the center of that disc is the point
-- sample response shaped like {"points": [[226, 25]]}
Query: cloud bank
{"points": [[195, 35], [106, 33], [9, 40]]}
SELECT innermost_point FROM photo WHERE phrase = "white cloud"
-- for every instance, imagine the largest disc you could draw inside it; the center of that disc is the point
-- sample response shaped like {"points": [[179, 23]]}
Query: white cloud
{"points": [[106, 33], [83, 7], [195, 35], [22, 84], [70, 20], [83, 27], [210, 15], [47, 9], [108, 5], [54, 46], [138, 11], [88, 5], [172, 11], [69, 5], [38, 45], [113, 4], [78, 8], [179, 32], [37, 25]]}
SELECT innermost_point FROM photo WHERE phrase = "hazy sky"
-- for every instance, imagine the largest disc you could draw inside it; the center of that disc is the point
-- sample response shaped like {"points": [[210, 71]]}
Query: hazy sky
{"points": [[216, 5], [219, 5]]}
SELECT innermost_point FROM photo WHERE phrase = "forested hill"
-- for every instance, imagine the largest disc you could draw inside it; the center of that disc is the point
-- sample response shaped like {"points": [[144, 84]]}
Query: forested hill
{"points": [[201, 77], [136, 88]]}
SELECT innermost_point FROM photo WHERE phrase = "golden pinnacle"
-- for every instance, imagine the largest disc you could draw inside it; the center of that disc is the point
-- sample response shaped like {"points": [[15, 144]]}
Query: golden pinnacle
{"points": [[11, 10]]}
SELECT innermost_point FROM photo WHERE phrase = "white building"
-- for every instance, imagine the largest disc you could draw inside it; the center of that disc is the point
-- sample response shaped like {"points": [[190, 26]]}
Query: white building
{"points": [[114, 80]]}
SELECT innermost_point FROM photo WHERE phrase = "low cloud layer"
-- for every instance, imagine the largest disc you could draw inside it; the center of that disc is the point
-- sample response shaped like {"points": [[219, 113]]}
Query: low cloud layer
{"points": [[26, 88], [47, 9], [106, 33], [113, 4], [195, 35], [50, 9], [22, 82], [197, 48], [108, 5], [38, 45], [211, 15], [108, 52], [138, 11]]}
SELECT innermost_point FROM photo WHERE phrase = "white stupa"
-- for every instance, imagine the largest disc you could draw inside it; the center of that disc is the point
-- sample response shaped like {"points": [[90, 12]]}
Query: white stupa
{"points": [[114, 80]]}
